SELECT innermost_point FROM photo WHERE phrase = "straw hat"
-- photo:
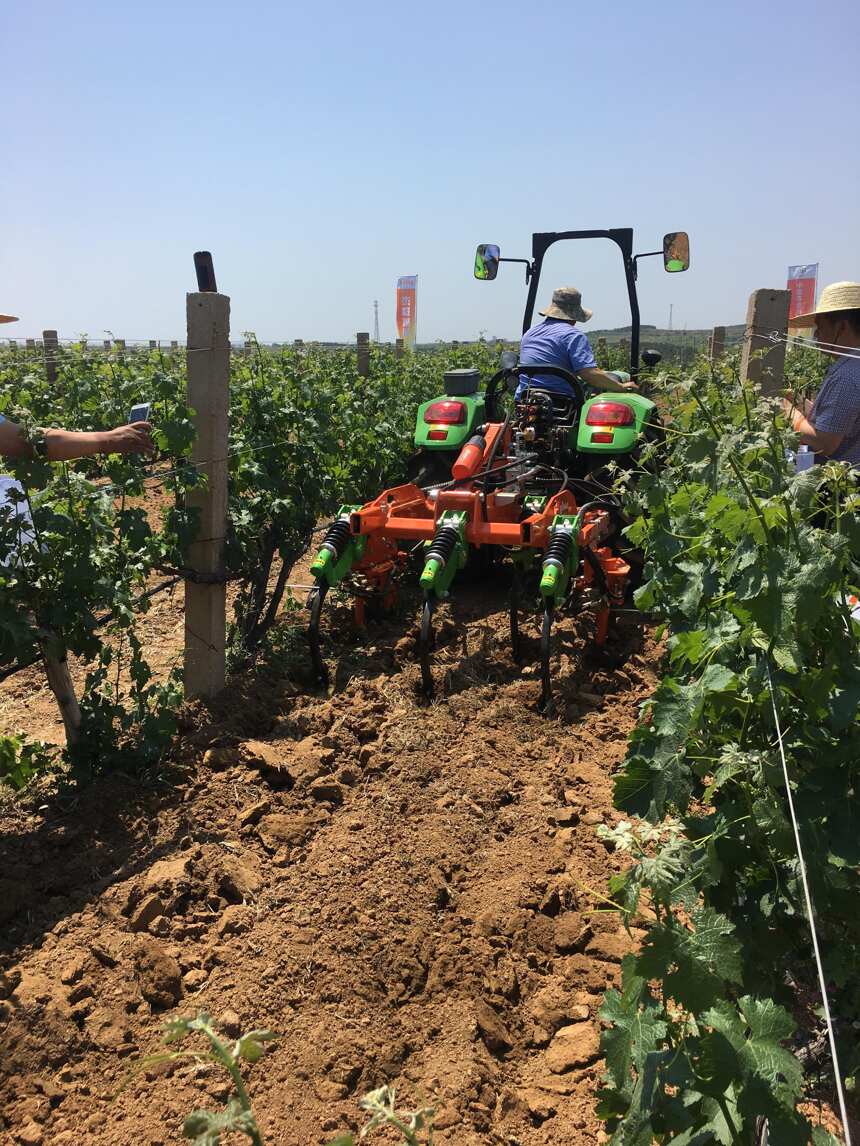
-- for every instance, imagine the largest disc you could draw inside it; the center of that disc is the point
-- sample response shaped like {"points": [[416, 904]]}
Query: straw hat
{"points": [[7, 318], [567, 304], [837, 296]]}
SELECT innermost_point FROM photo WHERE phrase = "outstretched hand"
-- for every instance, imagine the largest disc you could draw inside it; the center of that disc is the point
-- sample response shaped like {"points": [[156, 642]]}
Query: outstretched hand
{"points": [[134, 438]]}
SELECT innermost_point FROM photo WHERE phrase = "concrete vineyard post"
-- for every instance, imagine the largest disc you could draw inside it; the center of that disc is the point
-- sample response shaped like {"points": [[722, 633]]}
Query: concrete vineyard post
{"points": [[362, 346], [50, 342], [718, 343], [30, 343], [767, 314], [398, 348], [208, 344]]}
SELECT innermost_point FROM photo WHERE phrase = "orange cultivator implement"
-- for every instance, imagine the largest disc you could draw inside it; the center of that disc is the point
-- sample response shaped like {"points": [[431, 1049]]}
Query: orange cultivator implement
{"points": [[500, 497]]}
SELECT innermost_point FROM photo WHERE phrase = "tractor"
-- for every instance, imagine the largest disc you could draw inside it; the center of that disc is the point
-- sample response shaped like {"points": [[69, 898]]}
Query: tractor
{"points": [[496, 478]]}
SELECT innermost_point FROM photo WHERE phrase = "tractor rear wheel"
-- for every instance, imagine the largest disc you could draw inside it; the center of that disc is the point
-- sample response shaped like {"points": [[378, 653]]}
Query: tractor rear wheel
{"points": [[425, 469]]}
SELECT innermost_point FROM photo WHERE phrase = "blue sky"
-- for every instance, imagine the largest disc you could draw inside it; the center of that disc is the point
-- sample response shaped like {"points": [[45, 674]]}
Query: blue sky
{"points": [[319, 151]]}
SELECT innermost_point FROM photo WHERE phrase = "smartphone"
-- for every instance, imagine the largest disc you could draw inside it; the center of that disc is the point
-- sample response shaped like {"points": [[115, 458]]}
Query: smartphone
{"points": [[140, 413], [205, 272]]}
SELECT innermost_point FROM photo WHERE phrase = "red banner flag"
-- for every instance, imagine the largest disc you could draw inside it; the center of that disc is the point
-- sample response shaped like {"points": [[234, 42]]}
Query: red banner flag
{"points": [[802, 282], [407, 309]]}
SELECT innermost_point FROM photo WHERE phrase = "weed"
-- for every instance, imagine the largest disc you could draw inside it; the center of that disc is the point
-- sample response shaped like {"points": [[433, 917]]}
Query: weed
{"points": [[205, 1127], [380, 1105]]}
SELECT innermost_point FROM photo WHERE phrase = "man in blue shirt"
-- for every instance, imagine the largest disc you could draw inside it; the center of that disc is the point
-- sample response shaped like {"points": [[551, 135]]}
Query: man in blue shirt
{"points": [[557, 342], [831, 423]]}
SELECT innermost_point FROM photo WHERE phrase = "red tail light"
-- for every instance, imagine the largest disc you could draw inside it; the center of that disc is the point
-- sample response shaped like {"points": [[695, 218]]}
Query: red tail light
{"points": [[437, 435], [610, 414], [603, 436], [446, 413]]}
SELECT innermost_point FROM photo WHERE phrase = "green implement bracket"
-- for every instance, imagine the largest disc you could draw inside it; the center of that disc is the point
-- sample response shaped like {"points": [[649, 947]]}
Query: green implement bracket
{"points": [[439, 572], [337, 555], [534, 504], [562, 557]]}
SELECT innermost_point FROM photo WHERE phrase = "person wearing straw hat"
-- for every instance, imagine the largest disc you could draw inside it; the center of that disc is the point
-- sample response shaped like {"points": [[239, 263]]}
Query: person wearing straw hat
{"points": [[557, 342], [830, 424], [66, 445]]}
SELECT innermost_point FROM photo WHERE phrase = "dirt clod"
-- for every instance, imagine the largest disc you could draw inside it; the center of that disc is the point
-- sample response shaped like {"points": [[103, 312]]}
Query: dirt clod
{"points": [[493, 1031], [572, 1046], [148, 910], [235, 920], [158, 974]]}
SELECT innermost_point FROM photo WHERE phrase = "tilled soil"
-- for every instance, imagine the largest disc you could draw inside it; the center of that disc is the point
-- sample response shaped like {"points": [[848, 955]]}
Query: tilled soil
{"points": [[404, 892]]}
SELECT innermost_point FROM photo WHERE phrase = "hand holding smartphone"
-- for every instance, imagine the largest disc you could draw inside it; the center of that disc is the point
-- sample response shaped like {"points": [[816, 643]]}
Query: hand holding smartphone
{"points": [[140, 413]]}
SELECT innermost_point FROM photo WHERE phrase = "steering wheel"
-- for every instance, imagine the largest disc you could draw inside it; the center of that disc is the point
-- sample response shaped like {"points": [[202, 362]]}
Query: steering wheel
{"points": [[510, 374]]}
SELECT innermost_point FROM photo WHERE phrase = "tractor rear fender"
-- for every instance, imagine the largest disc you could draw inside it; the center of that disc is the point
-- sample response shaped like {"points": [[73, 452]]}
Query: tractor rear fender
{"points": [[602, 430], [459, 417]]}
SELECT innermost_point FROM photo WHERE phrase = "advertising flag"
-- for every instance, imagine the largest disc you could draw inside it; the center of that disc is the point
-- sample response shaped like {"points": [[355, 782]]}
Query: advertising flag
{"points": [[407, 309], [802, 282]]}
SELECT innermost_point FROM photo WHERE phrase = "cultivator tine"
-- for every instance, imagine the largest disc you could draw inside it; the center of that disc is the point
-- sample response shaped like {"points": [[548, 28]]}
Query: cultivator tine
{"points": [[425, 639], [315, 604], [546, 704]]}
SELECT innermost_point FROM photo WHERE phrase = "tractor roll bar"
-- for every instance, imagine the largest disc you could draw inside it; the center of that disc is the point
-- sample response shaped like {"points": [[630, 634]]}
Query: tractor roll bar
{"points": [[623, 238]]}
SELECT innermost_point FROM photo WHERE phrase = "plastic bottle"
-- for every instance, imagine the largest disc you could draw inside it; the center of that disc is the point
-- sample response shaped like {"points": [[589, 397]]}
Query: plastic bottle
{"points": [[805, 459]]}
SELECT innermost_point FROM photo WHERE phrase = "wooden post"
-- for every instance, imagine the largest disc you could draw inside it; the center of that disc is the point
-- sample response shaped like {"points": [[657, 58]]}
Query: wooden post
{"points": [[718, 343], [767, 314], [61, 685], [209, 395], [49, 341], [398, 348], [362, 346]]}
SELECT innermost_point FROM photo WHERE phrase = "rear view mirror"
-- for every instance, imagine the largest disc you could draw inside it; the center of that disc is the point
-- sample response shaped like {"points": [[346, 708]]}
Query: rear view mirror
{"points": [[676, 251], [487, 261]]}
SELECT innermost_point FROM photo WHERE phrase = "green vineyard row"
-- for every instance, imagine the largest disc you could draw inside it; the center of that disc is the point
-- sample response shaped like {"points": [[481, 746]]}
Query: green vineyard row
{"points": [[750, 567]]}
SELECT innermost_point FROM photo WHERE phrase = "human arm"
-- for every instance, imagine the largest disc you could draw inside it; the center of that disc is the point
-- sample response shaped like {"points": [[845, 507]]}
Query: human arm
{"points": [[822, 441], [584, 365], [66, 445], [602, 380]]}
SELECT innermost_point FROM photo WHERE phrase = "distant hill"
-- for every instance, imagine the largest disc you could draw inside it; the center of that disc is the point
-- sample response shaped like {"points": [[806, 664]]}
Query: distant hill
{"points": [[734, 334]]}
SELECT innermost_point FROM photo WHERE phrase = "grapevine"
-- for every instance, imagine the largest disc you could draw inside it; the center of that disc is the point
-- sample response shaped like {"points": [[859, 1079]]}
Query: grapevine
{"points": [[749, 566]]}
